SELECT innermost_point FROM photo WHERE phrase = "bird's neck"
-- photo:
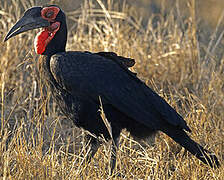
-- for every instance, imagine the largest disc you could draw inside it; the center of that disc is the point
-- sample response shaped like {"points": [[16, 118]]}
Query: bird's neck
{"points": [[58, 43], [45, 71]]}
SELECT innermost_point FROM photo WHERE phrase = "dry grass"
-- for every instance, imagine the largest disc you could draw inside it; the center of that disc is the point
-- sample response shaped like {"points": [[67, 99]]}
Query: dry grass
{"points": [[37, 142]]}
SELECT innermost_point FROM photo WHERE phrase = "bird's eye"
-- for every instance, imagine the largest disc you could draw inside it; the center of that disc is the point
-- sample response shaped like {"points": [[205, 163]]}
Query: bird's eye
{"points": [[49, 14]]}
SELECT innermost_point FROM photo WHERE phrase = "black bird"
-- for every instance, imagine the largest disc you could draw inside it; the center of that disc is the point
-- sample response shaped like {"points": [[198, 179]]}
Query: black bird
{"points": [[78, 79]]}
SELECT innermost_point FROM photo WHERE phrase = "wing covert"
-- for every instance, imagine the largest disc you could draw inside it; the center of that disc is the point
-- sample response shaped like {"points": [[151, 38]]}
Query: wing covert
{"points": [[94, 76]]}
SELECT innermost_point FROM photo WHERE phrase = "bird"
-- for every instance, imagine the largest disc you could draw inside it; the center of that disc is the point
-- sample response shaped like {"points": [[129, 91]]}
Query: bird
{"points": [[81, 83]]}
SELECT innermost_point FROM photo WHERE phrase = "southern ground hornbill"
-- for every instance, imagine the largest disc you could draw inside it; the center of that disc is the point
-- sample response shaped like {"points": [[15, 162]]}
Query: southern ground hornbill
{"points": [[78, 79]]}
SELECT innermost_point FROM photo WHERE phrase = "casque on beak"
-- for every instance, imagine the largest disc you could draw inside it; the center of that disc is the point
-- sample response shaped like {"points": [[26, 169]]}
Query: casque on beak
{"points": [[28, 22]]}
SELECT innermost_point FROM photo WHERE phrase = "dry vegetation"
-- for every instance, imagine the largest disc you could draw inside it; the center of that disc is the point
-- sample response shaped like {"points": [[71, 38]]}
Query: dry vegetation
{"points": [[38, 142]]}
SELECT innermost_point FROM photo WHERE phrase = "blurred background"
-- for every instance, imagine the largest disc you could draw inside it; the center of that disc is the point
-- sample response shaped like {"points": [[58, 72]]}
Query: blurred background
{"points": [[206, 10]]}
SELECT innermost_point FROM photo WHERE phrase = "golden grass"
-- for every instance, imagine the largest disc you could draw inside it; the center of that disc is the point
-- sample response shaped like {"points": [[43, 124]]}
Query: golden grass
{"points": [[38, 142]]}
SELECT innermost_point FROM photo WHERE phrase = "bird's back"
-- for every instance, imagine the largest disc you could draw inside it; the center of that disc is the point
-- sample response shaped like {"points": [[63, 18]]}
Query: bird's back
{"points": [[92, 76]]}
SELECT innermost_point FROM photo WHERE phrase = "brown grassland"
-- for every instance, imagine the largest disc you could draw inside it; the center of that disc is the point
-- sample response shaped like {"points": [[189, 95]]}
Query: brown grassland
{"points": [[177, 54]]}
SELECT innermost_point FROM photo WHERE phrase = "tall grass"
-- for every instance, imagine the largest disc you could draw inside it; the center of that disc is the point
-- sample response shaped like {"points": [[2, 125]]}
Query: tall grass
{"points": [[38, 142]]}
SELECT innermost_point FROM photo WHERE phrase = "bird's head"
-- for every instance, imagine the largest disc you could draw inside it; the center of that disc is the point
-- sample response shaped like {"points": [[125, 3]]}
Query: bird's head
{"points": [[53, 36]]}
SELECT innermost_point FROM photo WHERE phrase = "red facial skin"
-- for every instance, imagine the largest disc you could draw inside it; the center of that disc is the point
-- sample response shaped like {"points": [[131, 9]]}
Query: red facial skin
{"points": [[50, 13], [47, 34]]}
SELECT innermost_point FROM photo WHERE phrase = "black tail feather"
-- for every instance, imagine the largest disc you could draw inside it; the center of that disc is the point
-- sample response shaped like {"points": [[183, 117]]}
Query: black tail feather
{"points": [[197, 150]]}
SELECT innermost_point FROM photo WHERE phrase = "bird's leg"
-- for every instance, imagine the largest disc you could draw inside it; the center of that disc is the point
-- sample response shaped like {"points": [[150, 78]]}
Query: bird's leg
{"points": [[92, 145], [114, 147]]}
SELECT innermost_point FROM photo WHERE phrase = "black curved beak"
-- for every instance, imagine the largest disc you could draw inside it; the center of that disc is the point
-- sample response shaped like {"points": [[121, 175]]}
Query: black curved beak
{"points": [[29, 21]]}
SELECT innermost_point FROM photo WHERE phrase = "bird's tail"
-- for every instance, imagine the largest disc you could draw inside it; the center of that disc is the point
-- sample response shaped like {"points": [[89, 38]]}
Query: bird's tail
{"points": [[198, 151]]}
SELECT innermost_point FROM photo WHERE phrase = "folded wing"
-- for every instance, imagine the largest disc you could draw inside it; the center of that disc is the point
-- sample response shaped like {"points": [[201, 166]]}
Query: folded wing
{"points": [[94, 75]]}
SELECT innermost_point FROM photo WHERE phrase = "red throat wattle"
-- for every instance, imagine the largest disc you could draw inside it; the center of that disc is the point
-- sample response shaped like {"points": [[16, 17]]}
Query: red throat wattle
{"points": [[44, 37]]}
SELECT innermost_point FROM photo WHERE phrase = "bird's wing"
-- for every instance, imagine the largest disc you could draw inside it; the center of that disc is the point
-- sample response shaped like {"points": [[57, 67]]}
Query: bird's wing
{"points": [[94, 76], [125, 62]]}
